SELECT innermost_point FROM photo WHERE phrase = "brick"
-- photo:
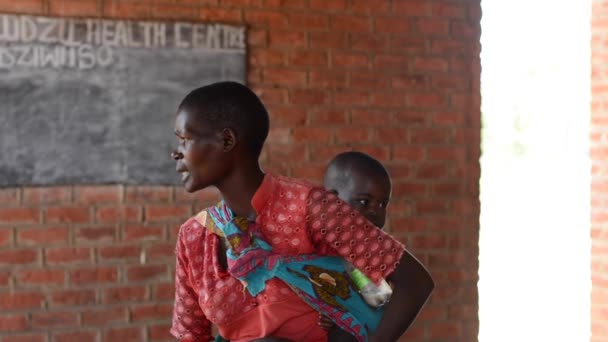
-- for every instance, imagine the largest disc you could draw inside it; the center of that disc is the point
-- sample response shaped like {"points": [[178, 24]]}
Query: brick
{"points": [[46, 195], [436, 207], [463, 29], [9, 196], [440, 27], [124, 294], [369, 7], [308, 58], [257, 37], [46, 277], [456, 82], [5, 278], [426, 100], [308, 97], [341, 59], [348, 23], [124, 334], [328, 116], [320, 79], [161, 251], [98, 194], [408, 44], [270, 94], [60, 298], [431, 170], [388, 99], [443, 9], [42, 236], [28, 337], [270, 19], [21, 300], [176, 12], [75, 336], [221, 15], [159, 332], [265, 57], [454, 153], [147, 194], [119, 253], [445, 330], [287, 116], [97, 275], [50, 319], [150, 312], [310, 171], [13, 322], [448, 118], [125, 10], [164, 291], [408, 82], [241, 3], [281, 152], [430, 64], [367, 80], [67, 255], [324, 153], [410, 189], [429, 135], [118, 214], [19, 215], [364, 116], [329, 6], [105, 316], [6, 237], [70, 214], [299, 4], [147, 273], [155, 213], [23, 6], [99, 235], [12, 257], [309, 21], [80, 8], [352, 134], [391, 135], [288, 39], [399, 171], [368, 42], [351, 98], [311, 134], [390, 25], [287, 77], [328, 40], [412, 8], [389, 61], [279, 136]]}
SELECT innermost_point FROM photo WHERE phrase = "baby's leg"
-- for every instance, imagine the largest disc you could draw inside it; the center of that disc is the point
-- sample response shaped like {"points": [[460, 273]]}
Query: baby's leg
{"points": [[338, 335]]}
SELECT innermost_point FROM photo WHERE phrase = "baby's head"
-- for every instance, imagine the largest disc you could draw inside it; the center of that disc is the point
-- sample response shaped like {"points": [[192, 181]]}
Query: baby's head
{"points": [[362, 182]]}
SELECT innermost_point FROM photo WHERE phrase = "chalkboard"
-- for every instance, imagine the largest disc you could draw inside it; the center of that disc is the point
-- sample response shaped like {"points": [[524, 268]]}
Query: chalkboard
{"points": [[92, 101]]}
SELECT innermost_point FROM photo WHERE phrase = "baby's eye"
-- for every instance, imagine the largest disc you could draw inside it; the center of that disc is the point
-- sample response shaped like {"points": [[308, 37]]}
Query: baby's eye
{"points": [[383, 204], [363, 202]]}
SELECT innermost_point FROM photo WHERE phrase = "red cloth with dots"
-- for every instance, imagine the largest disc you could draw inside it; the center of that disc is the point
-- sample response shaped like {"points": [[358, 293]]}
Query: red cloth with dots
{"points": [[297, 218]]}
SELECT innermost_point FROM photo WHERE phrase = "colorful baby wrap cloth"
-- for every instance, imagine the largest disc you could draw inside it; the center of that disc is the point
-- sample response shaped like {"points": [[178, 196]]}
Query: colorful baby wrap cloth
{"points": [[321, 281]]}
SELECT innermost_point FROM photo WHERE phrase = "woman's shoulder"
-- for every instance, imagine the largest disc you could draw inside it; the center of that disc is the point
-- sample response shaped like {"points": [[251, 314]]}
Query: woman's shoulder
{"points": [[196, 228]]}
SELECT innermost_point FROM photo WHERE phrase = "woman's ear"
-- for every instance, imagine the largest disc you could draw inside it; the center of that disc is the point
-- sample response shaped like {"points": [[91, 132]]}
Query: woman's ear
{"points": [[228, 139]]}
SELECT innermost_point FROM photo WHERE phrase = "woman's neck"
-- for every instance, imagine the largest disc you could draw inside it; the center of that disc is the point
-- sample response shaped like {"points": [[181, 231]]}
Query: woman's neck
{"points": [[239, 188]]}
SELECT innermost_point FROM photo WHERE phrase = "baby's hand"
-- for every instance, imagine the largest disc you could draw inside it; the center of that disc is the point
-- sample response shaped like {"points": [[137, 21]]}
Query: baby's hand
{"points": [[325, 323]]}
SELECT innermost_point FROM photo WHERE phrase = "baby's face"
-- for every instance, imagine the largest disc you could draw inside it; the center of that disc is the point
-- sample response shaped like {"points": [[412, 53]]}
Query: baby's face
{"points": [[368, 194]]}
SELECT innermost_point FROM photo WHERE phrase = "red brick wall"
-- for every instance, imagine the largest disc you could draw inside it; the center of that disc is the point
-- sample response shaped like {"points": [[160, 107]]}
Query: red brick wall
{"points": [[599, 172], [398, 79]]}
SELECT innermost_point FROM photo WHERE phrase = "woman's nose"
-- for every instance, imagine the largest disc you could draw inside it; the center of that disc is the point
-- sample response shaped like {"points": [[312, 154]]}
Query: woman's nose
{"points": [[176, 155]]}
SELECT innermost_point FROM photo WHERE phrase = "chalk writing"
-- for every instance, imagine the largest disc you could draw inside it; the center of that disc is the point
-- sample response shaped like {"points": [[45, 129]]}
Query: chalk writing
{"points": [[29, 41]]}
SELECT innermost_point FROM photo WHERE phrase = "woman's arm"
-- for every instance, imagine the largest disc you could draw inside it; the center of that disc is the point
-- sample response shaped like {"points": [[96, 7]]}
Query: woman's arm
{"points": [[412, 288]]}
